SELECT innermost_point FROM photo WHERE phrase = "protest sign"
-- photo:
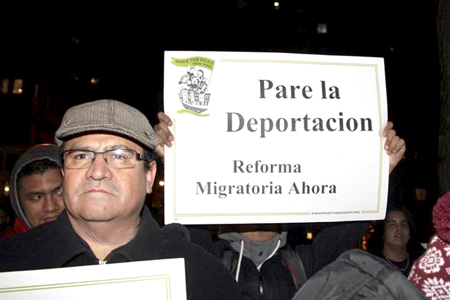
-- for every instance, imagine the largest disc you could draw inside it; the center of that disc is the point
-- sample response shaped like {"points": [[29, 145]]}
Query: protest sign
{"points": [[274, 138], [157, 279]]}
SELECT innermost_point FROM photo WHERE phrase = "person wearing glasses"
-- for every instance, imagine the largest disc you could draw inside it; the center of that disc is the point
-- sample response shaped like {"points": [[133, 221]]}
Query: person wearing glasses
{"points": [[108, 151]]}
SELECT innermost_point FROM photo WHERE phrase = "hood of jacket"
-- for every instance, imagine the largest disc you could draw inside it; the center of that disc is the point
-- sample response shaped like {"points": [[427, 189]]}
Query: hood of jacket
{"points": [[257, 251], [37, 152]]}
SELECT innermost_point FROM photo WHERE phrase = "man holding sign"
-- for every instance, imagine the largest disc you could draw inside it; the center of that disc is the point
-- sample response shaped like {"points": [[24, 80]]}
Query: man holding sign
{"points": [[108, 167], [255, 253]]}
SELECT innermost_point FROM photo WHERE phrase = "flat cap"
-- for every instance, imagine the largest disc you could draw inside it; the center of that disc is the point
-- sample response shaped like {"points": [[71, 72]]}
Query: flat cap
{"points": [[106, 116]]}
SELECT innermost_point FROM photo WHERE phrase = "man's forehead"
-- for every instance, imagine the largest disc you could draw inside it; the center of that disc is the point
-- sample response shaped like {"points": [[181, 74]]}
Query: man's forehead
{"points": [[52, 172], [37, 179]]}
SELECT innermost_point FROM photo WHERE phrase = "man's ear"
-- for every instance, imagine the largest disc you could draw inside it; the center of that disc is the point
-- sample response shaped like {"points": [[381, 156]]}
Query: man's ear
{"points": [[151, 173]]}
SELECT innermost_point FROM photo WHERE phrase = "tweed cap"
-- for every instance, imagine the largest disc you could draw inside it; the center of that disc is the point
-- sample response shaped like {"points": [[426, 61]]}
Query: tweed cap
{"points": [[107, 116]]}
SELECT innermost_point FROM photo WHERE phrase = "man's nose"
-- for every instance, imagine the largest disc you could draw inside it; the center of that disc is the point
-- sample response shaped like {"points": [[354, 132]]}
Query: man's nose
{"points": [[398, 226], [99, 168], [51, 203]]}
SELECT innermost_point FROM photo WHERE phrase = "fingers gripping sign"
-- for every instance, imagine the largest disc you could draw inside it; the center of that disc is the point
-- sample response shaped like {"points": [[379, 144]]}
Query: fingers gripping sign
{"points": [[394, 145], [163, 133]]}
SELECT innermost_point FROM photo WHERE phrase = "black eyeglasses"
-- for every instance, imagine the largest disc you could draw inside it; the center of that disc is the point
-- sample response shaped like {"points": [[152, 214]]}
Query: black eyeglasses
{"points": [[115, 158]]}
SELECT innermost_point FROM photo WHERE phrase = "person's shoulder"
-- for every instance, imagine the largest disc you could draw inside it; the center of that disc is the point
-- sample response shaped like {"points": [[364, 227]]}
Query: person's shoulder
{"points": [[175, 232], [7, 233], [206, 276], [19, 239], [23, 250], [15, 250], [177, 241], [18, 227], [42, 231]]}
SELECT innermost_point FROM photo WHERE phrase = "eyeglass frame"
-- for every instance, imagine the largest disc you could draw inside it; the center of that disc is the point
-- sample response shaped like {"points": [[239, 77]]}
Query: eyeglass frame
{"points": [[139, 157]]}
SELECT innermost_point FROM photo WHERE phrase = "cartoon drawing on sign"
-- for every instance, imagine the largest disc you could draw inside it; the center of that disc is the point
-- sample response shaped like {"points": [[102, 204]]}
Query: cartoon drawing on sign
{"points": [[193, 85], [194, 90]]}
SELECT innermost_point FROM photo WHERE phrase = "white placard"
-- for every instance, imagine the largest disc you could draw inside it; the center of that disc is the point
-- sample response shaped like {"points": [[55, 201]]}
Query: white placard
{"points": [[155, 279], [274, 138]]}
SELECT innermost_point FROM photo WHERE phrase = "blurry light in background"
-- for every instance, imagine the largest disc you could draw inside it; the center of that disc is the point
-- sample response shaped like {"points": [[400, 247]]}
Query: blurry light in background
{"points": [[161, 183], [75, 40], [364, 242], [6, 190], [94, 80], [4, 87], [17, 86], [277, 5], [322, 28], [309, 235]]}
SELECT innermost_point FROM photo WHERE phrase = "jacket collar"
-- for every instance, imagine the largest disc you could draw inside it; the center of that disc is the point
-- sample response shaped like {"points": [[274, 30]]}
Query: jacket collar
{"points": [[145, 246], [147, 243]]}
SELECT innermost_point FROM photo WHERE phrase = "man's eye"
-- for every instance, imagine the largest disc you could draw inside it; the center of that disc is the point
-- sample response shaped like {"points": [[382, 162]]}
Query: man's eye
{"points": [[119, 157], [35, 197], [80, 156]]}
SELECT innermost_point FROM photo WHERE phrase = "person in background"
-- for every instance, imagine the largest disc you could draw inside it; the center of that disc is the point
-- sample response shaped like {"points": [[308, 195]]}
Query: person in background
{"points": [[431, 271], [36, 195], [394, 240]]}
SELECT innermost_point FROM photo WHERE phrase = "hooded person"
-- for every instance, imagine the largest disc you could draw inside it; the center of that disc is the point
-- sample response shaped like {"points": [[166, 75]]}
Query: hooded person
{"points": [[431, 272], [35, 195], [266, 267]]}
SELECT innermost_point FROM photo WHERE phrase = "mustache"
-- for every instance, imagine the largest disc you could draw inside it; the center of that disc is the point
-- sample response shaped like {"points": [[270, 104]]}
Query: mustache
{"points": [[103, 188]]}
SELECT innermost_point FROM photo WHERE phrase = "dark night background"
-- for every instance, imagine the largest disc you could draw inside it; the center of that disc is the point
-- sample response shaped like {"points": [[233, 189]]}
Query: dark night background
{"points": [[58, 48]]}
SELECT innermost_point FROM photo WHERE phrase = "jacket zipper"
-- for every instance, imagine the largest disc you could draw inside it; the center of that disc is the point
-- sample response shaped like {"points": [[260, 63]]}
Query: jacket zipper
{"points": [[260, 281]]}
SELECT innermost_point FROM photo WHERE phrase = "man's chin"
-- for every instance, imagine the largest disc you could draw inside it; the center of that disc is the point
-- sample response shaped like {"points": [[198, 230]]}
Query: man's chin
{"points": [[401, 243], [99, 216]]}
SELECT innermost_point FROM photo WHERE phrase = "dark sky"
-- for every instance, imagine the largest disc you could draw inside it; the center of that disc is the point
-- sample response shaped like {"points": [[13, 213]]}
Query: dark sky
{"points": [[122, 41]]}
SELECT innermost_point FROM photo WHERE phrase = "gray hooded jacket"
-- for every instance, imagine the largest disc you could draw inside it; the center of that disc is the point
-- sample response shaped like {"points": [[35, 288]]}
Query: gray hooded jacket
{"points": [[35, 153], [258, 252]]}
